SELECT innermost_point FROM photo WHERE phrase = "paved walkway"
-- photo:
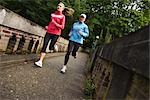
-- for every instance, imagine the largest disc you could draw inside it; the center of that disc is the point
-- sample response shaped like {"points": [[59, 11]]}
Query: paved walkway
{"points": [[27, 82]]}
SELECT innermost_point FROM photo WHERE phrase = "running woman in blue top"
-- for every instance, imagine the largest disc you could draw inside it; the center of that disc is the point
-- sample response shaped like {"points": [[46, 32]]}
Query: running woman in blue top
{"points": [[78, 31]]}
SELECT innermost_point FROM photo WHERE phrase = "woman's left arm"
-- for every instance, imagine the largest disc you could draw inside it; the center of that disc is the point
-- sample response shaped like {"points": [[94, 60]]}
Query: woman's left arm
{"points": [[85, 33]]}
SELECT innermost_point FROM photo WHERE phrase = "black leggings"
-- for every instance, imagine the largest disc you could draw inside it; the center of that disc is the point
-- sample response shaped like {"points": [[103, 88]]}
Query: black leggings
{"points": [[72, 47], [47, 37]]}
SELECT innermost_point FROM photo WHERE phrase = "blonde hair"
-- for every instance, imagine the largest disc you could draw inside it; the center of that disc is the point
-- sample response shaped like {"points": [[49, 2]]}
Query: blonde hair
{"points": [[63, 5]]}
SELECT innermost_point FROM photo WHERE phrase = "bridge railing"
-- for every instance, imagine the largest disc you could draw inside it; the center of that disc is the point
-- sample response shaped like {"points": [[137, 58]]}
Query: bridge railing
{"points": [[17, 41]]}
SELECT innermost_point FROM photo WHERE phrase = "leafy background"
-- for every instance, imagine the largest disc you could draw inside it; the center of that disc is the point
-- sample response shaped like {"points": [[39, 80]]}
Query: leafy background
{"points": [[108, 19]]}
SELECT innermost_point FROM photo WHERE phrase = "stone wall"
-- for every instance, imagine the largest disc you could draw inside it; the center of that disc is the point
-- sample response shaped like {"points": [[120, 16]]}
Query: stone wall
{"points": [[16, 21], [120, 70]]}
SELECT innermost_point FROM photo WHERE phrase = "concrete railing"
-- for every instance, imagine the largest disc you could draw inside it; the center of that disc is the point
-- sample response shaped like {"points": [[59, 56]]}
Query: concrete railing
{"points": [[14, 40]]}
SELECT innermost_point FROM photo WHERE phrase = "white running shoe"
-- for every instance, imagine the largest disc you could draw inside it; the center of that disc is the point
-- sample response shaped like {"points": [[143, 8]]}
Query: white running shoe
{"points": [[38, 63], [63, 70]]}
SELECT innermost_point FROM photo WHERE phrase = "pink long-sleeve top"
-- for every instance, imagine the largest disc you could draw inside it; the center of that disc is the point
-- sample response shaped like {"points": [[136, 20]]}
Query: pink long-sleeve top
{"points": [[57, 23]]}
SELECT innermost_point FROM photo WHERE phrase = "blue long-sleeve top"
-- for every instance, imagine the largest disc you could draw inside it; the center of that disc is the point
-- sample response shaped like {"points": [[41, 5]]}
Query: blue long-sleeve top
{"points": [[76, 28]]}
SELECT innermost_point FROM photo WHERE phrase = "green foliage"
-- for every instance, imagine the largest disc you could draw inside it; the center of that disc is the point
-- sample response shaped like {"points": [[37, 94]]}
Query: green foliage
{"points": [[89, 89], [37, 11], [115, 18], [108, 19]]}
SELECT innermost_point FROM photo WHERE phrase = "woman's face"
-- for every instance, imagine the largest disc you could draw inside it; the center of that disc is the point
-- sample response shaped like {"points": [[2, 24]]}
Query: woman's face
{"points": [[60, 7], [82, 19]]}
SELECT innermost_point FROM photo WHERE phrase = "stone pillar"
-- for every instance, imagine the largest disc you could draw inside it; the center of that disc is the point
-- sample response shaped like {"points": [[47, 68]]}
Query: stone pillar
{"points": [[31, 45], [11, 44], [36, 46], [17, 43], [2, 15], [27, 41], [5, 35]]}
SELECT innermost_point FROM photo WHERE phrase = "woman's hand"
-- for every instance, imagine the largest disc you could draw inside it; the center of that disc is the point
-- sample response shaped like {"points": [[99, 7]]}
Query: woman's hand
{"points": [[46, 27], [70, 34], [53, 21], [79, 32]]}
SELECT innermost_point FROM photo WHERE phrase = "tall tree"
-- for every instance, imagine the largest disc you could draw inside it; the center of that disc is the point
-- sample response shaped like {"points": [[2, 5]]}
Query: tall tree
{"points": [[114, 18], [108, 19]]}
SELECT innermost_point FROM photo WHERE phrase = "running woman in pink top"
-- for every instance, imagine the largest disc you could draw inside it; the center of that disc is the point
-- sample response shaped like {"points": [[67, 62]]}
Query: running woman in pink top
{"points": [[53, 31]]}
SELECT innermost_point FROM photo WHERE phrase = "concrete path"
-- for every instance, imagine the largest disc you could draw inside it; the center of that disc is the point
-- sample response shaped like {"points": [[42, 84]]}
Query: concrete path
{"points": [[27, 82]]}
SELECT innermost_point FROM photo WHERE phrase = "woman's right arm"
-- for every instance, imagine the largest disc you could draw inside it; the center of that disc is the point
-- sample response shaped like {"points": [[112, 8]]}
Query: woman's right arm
{"points": [[62, 25]]}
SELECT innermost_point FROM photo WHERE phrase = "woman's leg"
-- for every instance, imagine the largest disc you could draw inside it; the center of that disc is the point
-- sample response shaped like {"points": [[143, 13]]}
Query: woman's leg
{"points": [[75, 49], [46, 41], [70, 47], [43, 51], [42, 56], [53, 41]]}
